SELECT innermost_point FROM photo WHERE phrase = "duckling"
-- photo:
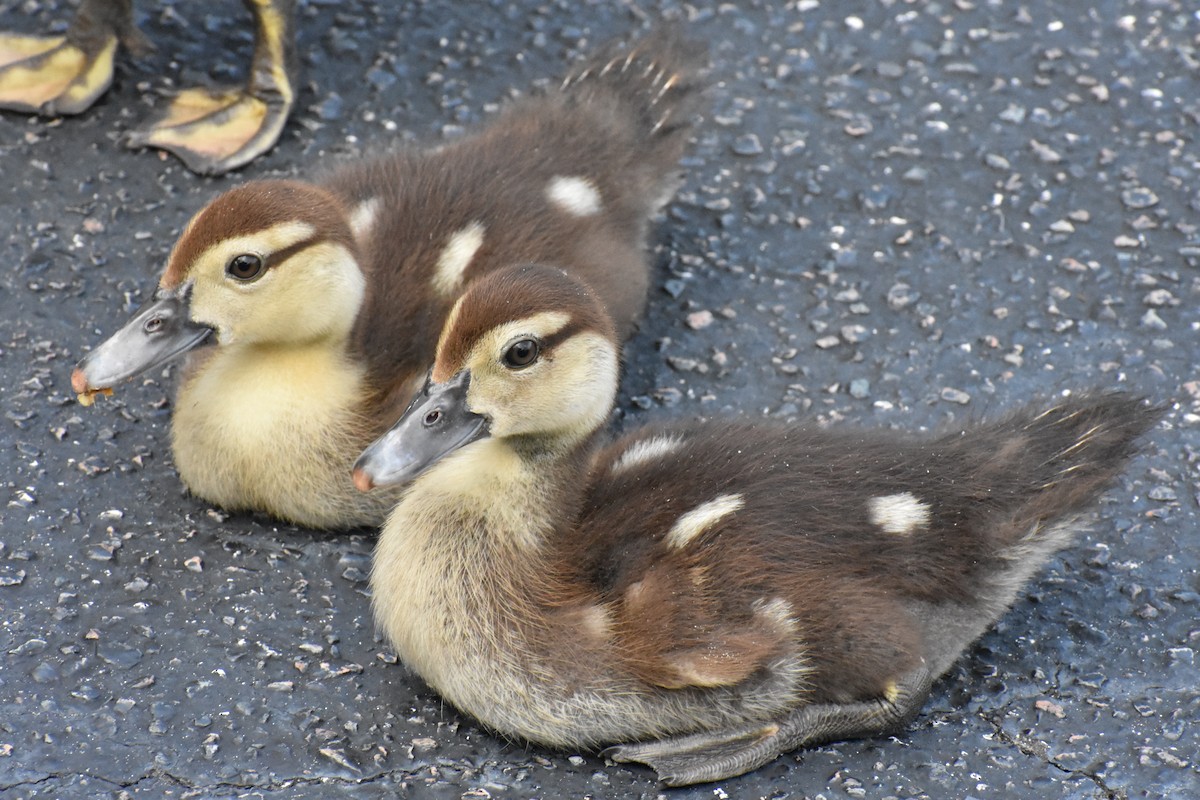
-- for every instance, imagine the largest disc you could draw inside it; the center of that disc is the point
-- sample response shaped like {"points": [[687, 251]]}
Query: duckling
{"points": [[702, 596], [211, 130], [324, 300]]}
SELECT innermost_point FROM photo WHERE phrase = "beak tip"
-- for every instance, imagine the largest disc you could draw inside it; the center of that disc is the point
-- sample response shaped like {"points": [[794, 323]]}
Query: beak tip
{"points": [[362, 481], [79, 381]]}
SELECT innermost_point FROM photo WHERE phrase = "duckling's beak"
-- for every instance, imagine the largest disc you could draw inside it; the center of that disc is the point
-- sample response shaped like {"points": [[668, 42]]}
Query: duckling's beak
{"points": [[157, 333], [436, 424]]}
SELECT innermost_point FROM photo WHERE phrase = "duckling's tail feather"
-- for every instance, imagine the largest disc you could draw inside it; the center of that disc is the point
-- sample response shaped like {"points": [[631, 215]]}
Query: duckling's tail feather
{"points": [[656, 79], [1037, 472], [1053, 463]]}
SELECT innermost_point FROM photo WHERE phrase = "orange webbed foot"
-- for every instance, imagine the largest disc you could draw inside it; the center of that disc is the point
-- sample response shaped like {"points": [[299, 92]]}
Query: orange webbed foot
{"points": [[51, 75], [216, 130], [213, 131]]}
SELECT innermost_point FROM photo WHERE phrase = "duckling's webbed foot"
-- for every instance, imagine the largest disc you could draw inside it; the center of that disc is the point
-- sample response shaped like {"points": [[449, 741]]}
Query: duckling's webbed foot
{"points": [[216, 130], [65, 74], [702, 757], [713, 756]]}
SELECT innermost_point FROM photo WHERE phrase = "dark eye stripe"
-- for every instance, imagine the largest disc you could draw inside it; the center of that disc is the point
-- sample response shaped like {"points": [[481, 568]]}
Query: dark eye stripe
{"points": [[572, 328], [279, 256]]}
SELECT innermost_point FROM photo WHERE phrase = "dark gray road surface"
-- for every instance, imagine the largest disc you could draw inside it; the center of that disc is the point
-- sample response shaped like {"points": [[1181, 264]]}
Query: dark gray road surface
{"points": [[899, 214]]}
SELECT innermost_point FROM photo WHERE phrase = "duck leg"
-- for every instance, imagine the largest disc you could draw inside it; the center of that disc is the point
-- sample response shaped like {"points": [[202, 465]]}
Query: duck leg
{"points": [[712, 756], [216, 130], [56, 75]]}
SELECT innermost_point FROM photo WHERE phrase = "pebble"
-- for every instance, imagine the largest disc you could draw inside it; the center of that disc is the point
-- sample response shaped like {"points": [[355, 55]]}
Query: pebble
{"points": [[103, 551], [380, 78], [1139, 197], [1013, 113], [1044, 152], [138, 584], [1160, 298], [12, 577], [855, 333], [860, 388], [1051, 707], [668, 396], [1182, 655], [900, 296], [29, 647], [1153, 321], [45, 672], [331, 107], [338, 757], [952, 395], [747, 145], [356, 575], [119, 655], [699, 320], [194, 563]]}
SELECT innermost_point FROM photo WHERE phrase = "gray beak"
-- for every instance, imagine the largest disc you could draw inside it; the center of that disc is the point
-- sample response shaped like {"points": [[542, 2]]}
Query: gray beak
{"points": [[157, 333], [436, 424]]}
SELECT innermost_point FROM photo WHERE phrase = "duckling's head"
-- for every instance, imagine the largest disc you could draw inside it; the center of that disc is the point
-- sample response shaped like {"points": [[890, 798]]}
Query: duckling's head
{"points": [[527, 354], [270, 262]]}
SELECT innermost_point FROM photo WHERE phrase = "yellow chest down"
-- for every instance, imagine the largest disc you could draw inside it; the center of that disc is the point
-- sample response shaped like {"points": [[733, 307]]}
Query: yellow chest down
{"points": [[277, 431]]}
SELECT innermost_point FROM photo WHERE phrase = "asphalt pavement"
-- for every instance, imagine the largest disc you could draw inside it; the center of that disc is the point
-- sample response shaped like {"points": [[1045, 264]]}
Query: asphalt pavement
{"points": [[897, 214]]}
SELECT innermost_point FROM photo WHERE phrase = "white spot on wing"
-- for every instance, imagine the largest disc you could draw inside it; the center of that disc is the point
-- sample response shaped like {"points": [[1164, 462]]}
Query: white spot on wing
{"points": [[898, 513], [575, 195], [595, 622], [778, 611], [362, 218], [701, 518], [461, 247], [646, 450]]}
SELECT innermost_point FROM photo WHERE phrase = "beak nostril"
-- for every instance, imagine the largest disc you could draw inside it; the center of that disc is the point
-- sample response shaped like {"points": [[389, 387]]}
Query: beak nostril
{"points": [[432, 417], [153, 325]]}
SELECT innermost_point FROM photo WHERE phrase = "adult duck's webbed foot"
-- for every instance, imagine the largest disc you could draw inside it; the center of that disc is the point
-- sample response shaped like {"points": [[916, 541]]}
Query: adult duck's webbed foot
{"points": [[712, 756], [56, 75], [216, 130]]}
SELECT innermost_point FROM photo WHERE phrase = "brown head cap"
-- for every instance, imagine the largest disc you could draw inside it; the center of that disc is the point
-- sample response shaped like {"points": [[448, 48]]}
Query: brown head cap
{"points": [[516, 293], [253, 208]]}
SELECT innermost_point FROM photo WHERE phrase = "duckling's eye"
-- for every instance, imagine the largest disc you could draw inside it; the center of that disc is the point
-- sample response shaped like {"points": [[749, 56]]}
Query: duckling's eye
{"points": [[246, 267], [521, 354]]}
